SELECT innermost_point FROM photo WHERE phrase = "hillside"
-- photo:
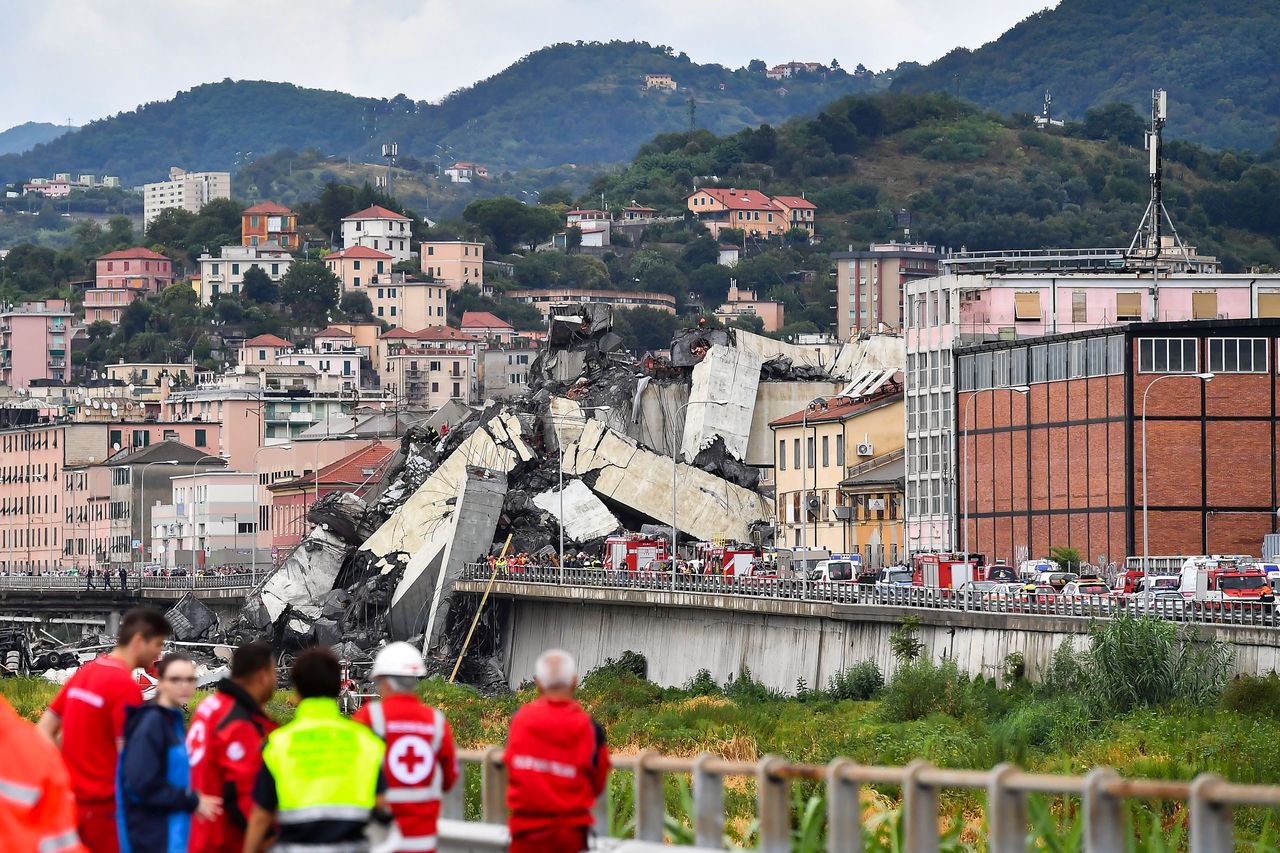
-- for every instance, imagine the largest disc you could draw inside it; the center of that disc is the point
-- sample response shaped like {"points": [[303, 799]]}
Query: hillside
{"points": [[26, 136], [1215, 59], [568, 103], [969, 178]]}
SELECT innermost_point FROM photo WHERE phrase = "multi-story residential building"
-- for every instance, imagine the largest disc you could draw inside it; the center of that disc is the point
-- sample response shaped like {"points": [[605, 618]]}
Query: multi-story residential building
{"points": [[210, 519], [410, 303], [356, 472], [48, 189], [225, 273], [108, 305], [743, 303], [660, 81], [453, 262], [264, 350], [429, 367], [837, 473], [269, 223], [637, 213], [487, 327], [544, 299], [86, 528], [462, 173], [750, 211], [359, 267], [146, 376], [505, 370], [35, 343], [123, 277], [185, 190], [381, 230], [870, 285], [335, 359], [960, 308]]}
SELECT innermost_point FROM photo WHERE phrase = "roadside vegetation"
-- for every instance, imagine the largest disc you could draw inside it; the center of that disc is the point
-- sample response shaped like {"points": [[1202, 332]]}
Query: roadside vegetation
{"points": [[1141, 696]]}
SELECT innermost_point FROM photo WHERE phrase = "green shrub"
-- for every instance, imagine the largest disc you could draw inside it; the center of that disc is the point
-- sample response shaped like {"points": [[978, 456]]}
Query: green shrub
{"points": [[1251, 695], [702, 684], [1135, 662], [1065, 674], [921, 687], [904, 641], [627, 662], [745, 688], [857, 683]]}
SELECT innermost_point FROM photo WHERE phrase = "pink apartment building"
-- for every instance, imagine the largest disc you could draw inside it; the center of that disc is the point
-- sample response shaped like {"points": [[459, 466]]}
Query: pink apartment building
{"points": [[430, 367], [35, 343], [121, 278]]}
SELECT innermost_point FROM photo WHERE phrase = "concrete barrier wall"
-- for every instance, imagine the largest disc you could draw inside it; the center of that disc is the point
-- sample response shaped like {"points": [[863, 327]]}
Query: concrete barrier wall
{"points": [[782, 641]]}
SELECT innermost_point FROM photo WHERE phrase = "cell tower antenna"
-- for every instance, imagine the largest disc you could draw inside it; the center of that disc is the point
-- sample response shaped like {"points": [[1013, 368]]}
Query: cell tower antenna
{"points": [[1148, 239]]}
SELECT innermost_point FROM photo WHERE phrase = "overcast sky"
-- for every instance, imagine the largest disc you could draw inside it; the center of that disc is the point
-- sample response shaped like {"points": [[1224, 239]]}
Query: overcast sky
{"points": [[85, 59]]}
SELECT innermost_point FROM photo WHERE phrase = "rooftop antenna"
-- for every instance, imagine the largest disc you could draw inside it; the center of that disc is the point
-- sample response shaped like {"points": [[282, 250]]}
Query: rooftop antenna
{"points": [[1046, 119], [390, 151], [1148, 239]]}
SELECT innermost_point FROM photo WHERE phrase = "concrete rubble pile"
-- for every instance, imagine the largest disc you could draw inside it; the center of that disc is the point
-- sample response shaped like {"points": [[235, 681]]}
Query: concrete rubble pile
{"points": [[608, 429]]}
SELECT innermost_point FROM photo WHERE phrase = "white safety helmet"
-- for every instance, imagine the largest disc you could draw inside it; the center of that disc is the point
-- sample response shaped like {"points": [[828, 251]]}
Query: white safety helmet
{"points": [[399, 659]]}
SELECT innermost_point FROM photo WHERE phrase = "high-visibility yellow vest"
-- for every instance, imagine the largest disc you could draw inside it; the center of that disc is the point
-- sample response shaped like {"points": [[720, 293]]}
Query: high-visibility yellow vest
{"points": [[326, 767]]}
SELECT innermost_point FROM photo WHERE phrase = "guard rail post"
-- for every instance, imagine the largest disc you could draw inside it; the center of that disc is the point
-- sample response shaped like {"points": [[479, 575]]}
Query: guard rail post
{"points": [[453, 803], [708, 804], [773, 793], [650, 802], [1006, 813], [1103, 813], [1210, 821], [493, 786], [844, 809], [919, 810]]}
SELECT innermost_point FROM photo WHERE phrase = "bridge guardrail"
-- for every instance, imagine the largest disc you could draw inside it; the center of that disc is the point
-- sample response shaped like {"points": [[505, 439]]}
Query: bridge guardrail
{"points": [[1260, 614], [1101, 791], [144, 583]]}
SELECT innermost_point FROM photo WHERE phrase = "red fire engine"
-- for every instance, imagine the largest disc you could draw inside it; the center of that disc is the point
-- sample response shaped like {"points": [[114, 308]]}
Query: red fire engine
{"points": [[723, 557], [947, 571], [632, 552]]}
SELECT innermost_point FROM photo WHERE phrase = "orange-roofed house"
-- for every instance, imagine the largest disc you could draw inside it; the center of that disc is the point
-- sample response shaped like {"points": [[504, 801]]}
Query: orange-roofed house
{"points": [[291, 499], [748, 210], [379, 229], [431, 366], [797, 212], [487, 326], [268, 222], [264, 350], [358, 267], [122, 277]]}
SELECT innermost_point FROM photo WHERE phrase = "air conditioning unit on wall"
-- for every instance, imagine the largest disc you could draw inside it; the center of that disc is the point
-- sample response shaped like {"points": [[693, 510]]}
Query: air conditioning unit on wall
{"points": [[865, 449]]}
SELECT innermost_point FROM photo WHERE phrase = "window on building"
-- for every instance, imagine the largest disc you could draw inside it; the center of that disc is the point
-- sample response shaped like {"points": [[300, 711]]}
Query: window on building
{"points": [[1204, 305], [1269, 304], [982, 371], [1000, 369], [1040, 363], [1167, 355], [782, 454], [1237, 355], [1128, 306], [1075, 360], [1026, 305], [810, 454], [965, 373], [1115, 354], [795, 450], [1018, 366], [235, 269], [114, 438], [456, 392], [826, 452], [1057, 361], [202, 439], [1079, 306]]}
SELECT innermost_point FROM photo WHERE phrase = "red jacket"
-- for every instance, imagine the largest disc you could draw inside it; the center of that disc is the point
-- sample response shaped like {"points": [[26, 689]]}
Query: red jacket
{"points": [[557, 765], [225, 742], [37, 808], [421, 763]]}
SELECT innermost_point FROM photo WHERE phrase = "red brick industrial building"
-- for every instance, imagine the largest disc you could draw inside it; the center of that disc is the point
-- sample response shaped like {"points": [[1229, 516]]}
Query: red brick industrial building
{"points": [[1061, 464]]}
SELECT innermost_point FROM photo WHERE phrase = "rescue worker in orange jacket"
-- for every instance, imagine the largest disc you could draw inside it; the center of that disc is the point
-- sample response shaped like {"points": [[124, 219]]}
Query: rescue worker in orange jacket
{"points": [[421, 762], [37, 808]]}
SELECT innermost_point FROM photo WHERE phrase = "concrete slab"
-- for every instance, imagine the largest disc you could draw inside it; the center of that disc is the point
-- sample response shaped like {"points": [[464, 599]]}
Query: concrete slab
{"points": [[727, 376], [709, 507], [306, 575], [585, 515]]}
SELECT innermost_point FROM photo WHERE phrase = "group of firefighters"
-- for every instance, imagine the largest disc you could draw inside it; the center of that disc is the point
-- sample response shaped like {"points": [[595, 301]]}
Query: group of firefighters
{"points": [[110, 774]]}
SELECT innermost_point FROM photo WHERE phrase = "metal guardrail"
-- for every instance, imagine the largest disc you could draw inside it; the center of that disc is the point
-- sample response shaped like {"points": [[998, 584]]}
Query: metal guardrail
{"points": [[79, 582], [1102, 793], [1259, 614]]}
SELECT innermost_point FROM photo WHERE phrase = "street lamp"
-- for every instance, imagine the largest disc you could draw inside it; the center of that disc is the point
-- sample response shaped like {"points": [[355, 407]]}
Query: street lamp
{"points": [[191, 514], [964, 458], [804, 460], [561, 443], [145, 509], [675, 462], [1146, 544], [257, 505]]}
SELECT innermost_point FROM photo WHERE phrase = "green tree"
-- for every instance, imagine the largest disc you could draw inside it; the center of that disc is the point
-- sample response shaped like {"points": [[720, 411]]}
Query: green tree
{"points": [[258, 287], [310, 290], [355, 305], [1116, 121]]}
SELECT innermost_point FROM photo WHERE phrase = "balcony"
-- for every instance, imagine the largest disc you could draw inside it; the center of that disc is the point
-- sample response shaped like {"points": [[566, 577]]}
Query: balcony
{"points": [[57, 352]]}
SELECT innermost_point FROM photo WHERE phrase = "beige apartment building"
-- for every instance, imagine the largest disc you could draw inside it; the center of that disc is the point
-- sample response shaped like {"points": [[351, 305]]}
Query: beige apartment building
{"points": [[839, 475], [870, 285], [429, 367], [189, 191], [453, 262]]}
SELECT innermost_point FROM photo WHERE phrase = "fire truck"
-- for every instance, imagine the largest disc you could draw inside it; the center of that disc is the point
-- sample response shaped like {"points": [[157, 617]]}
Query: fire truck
{"points": [[632, 552], [723, 557], [1224, 580], [947, 571]]}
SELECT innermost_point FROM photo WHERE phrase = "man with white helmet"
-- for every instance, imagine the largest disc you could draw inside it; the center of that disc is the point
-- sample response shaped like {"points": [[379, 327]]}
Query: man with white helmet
{"points": [[421, 761]]}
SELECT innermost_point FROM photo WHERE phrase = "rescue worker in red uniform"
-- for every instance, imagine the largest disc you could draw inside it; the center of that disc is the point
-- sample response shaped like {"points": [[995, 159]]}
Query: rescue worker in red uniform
{"points": [[224, 743], [421, 761], [557, 764]]}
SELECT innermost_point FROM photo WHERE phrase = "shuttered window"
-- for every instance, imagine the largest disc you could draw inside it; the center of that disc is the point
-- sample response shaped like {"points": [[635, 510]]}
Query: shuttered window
{"points": [[1128, 306], [1204, 305], [1026, 306], [1269, 305]]}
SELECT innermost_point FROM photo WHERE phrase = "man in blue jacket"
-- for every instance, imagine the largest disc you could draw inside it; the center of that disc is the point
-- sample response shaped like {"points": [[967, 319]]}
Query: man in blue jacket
{"points": [[154, 798]]}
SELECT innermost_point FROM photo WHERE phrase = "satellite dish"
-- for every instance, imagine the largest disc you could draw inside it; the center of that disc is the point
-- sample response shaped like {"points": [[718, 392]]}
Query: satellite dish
{"points": [[114, 408], [96, 404], [115, 447]]}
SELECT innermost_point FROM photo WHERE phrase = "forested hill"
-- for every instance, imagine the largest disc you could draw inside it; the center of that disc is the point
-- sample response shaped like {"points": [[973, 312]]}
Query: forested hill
{"points": [[972, 178], [569, 103], [26, 136], [1217, 60]]}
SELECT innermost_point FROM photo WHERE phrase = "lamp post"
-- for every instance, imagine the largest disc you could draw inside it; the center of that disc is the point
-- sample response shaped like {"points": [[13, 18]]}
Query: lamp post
{"points": [[1146, 544], [561, 485], [145, 509], [191, 513], [675, 462], [804, 472], [257, 505], [964, 458]]}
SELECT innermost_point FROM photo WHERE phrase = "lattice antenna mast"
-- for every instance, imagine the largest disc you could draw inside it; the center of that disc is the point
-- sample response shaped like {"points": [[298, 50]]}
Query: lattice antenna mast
{"points": [[1148, 238]]}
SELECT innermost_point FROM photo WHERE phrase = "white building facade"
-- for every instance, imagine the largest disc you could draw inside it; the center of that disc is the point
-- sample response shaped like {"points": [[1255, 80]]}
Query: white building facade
{"points": [[224, 274], [189, 191], [380, 229]]}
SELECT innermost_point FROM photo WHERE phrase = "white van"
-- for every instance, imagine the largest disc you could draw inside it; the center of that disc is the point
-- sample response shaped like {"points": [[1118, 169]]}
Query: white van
{"points": [[838, 569]]}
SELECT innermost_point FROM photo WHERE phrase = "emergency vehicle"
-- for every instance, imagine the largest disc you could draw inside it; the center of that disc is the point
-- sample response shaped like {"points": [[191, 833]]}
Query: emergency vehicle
{"points": [[946, 571], [1223, 579], [632, 552], [840, 568], [1029, 570], [723, 557]]}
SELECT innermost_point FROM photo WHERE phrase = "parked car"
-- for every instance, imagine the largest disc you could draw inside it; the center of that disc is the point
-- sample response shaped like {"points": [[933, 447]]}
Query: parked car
{"points": [[1057, 580], [1086, 588]]}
